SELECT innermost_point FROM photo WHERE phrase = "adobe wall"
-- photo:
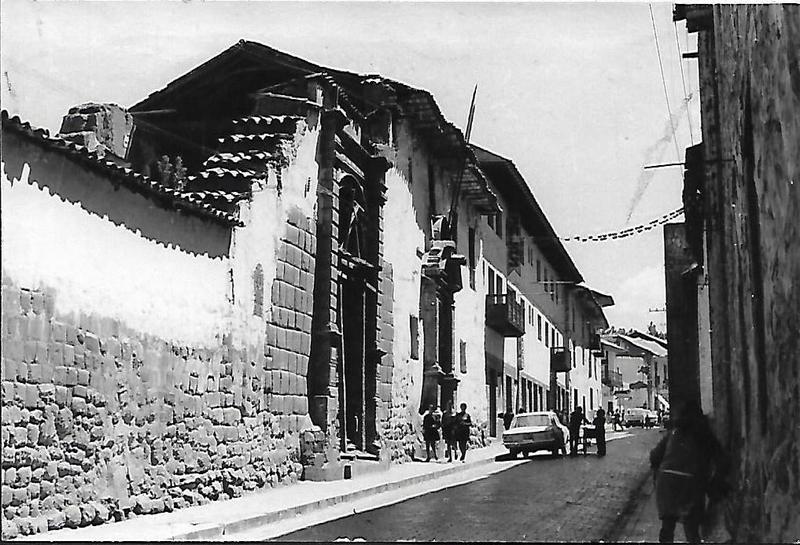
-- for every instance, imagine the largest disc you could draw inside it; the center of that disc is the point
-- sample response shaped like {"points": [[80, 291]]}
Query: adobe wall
{"points": [[403, 431], [750, 91], [136, 376]]}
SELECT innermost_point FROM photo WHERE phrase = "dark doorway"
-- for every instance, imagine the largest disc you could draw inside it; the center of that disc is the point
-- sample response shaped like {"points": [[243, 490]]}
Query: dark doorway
{"points": [[357, 305]]}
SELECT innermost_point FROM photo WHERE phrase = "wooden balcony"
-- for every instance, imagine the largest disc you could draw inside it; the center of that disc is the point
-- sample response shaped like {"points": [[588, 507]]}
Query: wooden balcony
{"points": [[610, 378], [560, 359], [505, 315]]}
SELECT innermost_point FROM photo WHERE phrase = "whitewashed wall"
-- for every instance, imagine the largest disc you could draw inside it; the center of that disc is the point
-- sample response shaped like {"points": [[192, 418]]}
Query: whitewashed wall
{"points": [[96, 267]]}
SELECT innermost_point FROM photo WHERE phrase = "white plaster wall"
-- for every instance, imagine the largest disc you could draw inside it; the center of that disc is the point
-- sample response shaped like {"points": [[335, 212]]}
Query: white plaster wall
{"points": [[470, 324], [95, 266], [537, 355], [402, 238], [265, 217]]}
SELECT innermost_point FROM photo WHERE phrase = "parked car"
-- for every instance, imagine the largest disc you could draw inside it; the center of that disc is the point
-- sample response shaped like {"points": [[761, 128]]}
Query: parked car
{"points": [[534, 431], [665, 420], [636, 417]]}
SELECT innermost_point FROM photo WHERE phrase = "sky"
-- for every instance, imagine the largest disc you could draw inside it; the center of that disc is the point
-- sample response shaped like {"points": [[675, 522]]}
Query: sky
{"points": [[571, 92]]}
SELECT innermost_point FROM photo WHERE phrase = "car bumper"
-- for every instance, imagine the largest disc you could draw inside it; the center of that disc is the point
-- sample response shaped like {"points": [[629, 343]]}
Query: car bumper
{"points": [[531, 444]]}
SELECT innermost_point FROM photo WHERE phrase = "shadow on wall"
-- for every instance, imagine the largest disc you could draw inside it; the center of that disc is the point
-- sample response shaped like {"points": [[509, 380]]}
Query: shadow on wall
{"points": [[103, 196]]}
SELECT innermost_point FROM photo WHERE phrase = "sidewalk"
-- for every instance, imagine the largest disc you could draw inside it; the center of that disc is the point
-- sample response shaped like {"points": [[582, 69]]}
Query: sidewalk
{"points": [[216, 519]]}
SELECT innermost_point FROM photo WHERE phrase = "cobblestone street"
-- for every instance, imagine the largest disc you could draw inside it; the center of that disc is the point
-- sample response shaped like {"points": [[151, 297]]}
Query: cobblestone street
{"points": [[546, 499]]}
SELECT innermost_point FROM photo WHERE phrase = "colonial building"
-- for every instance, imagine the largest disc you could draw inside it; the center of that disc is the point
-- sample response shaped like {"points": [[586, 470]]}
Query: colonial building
{"points": [[540, 322], [733, 301], [265, 271]]}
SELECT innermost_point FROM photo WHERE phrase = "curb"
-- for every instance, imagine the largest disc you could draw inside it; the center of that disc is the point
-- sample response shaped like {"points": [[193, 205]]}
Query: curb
{"points": [[228, 528]]}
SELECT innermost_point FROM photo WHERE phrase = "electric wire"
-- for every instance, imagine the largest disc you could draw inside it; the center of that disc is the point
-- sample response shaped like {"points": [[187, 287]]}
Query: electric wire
{"points": [[664, 81], [683, 83]]}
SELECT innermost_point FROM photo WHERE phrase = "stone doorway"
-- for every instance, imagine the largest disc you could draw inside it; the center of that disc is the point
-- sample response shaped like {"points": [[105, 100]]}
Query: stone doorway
{"points": [[357, 302]]}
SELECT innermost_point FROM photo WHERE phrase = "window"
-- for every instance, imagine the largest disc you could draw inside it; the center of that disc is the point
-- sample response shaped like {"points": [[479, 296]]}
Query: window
{"points": [[490, 221], [546, 334], [591, 397], [414, 329], [538, 271], [539, 326], [490, 281], [471, 257], [462, 350], [499, 225], [553, 339], [258, 291]]}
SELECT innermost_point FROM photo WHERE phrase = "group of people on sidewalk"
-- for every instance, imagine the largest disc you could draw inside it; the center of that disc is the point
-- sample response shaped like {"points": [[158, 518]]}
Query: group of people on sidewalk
{"points": [[455, 428]]}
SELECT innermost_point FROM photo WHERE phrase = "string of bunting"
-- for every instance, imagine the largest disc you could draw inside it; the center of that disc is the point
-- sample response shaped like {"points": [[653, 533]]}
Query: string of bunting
{"points": [[627, 232]]}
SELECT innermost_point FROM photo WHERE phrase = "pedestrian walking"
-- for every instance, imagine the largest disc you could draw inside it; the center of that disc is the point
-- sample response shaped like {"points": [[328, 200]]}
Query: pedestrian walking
{"points": [[448, 431], [575, 420], [430, 432], [600, 431], [463, 424], [688, 465], [617, 421]]}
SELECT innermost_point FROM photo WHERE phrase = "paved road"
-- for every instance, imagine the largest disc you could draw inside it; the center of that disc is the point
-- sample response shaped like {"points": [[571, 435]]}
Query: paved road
{"points": [[546, 499]]}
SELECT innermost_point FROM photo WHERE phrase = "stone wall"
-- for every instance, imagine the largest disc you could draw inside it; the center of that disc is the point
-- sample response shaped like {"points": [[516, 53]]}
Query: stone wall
{"points": [[749, 58], [100, 422], [138, 377]]}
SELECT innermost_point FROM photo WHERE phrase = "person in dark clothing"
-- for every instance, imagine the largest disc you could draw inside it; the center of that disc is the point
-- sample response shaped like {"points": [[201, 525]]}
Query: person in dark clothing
{"points": [[448, 431], [430, 432], [461, 429], [600, 431], [617, 422], [688, 464], [508, 416], [575, 420]]}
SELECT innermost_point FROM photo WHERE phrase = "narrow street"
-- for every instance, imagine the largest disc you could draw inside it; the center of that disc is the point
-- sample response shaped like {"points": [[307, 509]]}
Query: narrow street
{"points": [[545, 499]]}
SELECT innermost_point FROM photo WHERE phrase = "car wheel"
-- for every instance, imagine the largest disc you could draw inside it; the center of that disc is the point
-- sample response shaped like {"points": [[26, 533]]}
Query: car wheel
{"points": [[513, 452]]}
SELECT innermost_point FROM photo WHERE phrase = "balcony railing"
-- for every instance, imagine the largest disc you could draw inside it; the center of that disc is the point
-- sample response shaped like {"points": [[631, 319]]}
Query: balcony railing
{"points": [[505, 315], [560, 359], [612, 378]]}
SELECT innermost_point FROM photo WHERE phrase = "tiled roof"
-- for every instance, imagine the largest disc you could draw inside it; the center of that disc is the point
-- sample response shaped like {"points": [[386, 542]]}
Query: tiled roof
{"points": [[133, 180], [649, 346], [276, 66]]}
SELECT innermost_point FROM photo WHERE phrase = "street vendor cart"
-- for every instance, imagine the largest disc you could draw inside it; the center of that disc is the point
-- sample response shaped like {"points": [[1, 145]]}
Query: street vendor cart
{"points": [[587, 433]]}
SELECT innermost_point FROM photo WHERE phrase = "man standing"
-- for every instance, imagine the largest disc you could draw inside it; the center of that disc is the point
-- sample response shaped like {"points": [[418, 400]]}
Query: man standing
{"points": [[600, 431], [575, 420], [448, 430], [430, 432], [463, 423]]}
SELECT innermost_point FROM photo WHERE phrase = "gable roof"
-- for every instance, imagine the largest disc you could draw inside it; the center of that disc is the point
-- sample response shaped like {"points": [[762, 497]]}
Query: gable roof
{"points": [[648, 346], [259, 66], [509, 182], [161, 194]]}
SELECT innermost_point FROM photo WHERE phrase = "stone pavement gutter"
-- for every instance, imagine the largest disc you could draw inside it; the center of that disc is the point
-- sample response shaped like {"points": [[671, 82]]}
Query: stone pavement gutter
{"points": [[217, 519]]}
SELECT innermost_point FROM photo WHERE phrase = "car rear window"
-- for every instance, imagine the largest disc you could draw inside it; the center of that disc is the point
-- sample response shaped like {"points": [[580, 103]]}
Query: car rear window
{"points": [[531, 420]]}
